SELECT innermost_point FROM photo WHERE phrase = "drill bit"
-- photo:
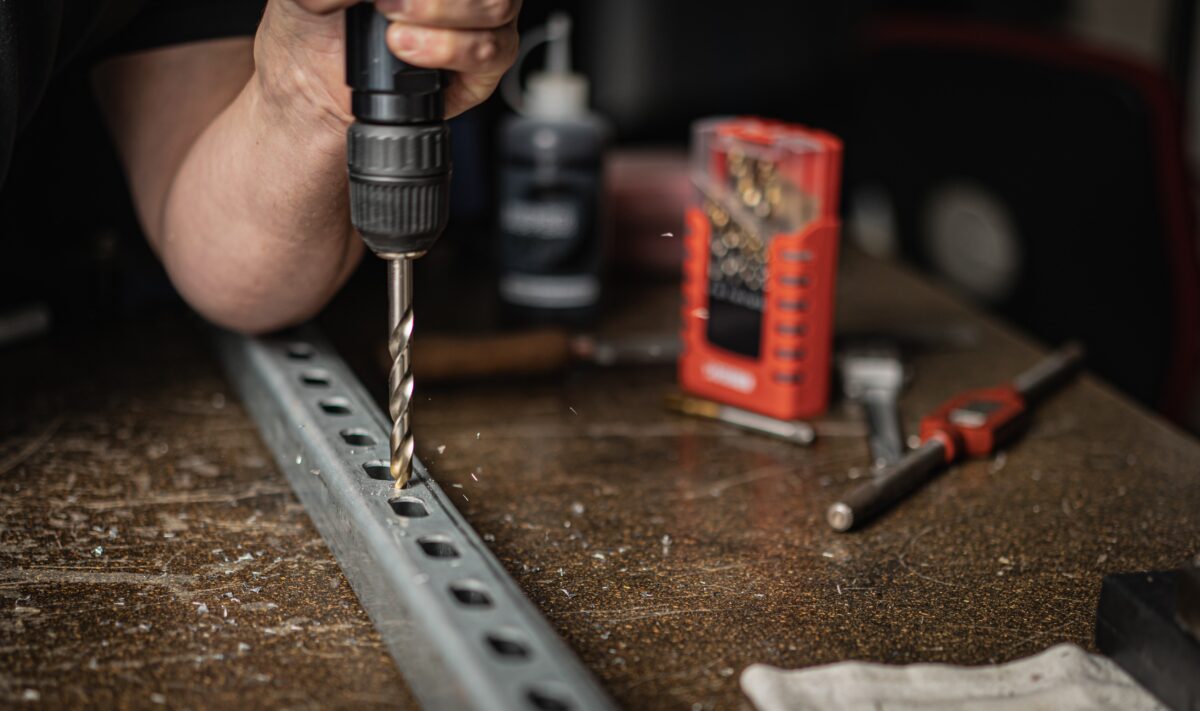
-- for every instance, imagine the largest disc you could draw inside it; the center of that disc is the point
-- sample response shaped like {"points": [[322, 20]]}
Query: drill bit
{"points": [[400, 379]]}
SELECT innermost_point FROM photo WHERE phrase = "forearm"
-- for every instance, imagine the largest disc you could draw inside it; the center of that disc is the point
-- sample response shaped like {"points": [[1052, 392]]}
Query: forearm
{"points": [[236, 164], [255, 229], [235, 151]]}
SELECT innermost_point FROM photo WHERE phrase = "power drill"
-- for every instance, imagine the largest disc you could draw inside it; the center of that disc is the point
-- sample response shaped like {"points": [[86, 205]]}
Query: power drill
{"points": [[398, 151]]}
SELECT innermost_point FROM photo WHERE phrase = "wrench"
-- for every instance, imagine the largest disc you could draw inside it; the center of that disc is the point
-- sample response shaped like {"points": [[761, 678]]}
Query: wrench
{"points": [[873, 375]]}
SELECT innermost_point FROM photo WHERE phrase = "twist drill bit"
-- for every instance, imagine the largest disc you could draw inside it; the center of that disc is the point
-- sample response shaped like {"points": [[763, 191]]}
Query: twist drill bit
{"points": [[400, 379]]}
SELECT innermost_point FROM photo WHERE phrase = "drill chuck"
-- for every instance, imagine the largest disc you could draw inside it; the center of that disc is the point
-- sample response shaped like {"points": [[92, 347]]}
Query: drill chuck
{"points": [[399, 185], [398, 148]]}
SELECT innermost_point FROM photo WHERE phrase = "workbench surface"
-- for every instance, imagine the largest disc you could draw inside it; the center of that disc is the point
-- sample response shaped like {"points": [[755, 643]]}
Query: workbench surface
{"points": [[151, 552]]}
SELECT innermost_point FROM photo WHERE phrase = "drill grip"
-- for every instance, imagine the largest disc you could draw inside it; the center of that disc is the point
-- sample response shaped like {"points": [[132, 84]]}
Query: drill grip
{"points": [[385, 89]]}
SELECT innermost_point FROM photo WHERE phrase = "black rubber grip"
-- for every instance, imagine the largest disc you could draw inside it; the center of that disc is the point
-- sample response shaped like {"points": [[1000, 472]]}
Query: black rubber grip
{"points": [[398, 151], [399, 185], [400, 218]]}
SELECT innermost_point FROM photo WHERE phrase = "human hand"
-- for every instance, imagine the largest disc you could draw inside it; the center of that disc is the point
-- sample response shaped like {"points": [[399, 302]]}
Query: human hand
{"points": [[299, 51]]}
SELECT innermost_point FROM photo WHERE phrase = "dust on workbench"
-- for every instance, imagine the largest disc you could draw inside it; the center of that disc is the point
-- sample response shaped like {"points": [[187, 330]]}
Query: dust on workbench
{"points": [[150, 550], [671, 553]]}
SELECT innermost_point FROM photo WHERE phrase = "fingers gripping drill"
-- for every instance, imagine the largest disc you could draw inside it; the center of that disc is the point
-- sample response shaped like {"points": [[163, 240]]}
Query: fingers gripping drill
{"points": [[398, 150]]}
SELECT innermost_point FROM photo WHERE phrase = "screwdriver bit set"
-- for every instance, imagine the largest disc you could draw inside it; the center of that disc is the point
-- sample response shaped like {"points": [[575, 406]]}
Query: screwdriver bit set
{"points": [[759, 266]]}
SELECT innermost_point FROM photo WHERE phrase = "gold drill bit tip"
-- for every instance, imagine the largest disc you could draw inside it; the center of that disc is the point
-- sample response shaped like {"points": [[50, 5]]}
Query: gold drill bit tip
{"points": [[795, 431], [400, 379]]}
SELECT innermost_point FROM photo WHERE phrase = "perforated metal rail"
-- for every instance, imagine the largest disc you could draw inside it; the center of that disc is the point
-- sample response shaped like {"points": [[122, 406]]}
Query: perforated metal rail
{"points": [[458, 627]]}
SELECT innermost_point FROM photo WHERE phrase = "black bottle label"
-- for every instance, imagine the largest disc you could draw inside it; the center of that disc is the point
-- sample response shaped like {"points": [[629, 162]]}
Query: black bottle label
{"points": [[549, 247]]}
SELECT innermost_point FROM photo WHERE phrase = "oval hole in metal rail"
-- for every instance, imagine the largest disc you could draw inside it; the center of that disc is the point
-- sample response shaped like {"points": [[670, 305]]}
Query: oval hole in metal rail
{"points": [[335, 406], [378, 469], [438, 547], [471, 593], [357, 437], [315, 377], [509, 644], [300, 351], [549, 697], [408, 507]]}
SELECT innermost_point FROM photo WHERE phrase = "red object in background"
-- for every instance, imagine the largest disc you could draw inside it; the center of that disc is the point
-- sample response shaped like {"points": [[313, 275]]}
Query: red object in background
{"points": [[978, 422], [759, 334], [1106, 131], [975, 423], [647, 192]]}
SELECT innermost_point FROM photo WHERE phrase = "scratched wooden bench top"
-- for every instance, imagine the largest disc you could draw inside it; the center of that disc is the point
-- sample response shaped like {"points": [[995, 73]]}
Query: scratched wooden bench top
{"points": [[149, 550], [151, 553], [671, 553]]}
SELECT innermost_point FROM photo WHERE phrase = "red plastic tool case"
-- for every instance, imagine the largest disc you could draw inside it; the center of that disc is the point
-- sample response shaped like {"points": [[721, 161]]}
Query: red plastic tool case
{"points": [[780, 300]]}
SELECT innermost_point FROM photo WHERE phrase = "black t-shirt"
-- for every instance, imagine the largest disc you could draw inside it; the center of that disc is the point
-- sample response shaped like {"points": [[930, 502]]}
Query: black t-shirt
{"points": [[68, 235], [42, 39]]}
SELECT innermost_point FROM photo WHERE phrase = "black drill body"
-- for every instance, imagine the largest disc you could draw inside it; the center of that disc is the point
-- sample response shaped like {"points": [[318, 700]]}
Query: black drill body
{"points": [[398, 148]]}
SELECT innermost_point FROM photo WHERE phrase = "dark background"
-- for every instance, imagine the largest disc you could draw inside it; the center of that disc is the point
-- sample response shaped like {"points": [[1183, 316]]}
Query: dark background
{"points": [[1082, 148]]}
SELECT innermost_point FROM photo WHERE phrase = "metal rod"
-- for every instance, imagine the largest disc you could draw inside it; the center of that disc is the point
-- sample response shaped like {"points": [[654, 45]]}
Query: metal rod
{"points": [[885, 488], [791, 430], [400, 379], [457, 625], [796, 431], [1034, 384]]}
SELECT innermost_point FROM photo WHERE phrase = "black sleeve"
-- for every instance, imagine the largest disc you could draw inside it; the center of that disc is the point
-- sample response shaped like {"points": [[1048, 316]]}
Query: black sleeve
{"points": [[162, 23]]}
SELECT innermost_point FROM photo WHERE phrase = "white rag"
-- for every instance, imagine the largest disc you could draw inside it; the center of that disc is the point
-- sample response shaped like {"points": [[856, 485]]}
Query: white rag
{"points": [[1062, 678]]}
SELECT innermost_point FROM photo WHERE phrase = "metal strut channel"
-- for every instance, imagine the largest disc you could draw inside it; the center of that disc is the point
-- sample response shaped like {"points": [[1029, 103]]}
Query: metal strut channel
{"points": [[459, 628]]}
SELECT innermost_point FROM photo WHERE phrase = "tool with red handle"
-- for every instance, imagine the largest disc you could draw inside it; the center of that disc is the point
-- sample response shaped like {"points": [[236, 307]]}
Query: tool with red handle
{"points": [[969, 425]]}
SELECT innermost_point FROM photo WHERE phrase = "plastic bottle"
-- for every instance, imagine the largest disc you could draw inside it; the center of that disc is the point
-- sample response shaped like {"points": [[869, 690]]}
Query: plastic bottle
{"points": [[551, 180]]}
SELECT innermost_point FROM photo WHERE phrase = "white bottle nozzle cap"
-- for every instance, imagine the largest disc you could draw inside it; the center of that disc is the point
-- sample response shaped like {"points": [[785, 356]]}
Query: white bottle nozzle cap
{"points": [[556, 92], [551, 95], [558, 43]]}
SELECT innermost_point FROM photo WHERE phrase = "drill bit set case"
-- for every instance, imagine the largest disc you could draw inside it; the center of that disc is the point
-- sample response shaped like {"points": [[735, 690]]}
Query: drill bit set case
{"points": [[759, 266]]}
